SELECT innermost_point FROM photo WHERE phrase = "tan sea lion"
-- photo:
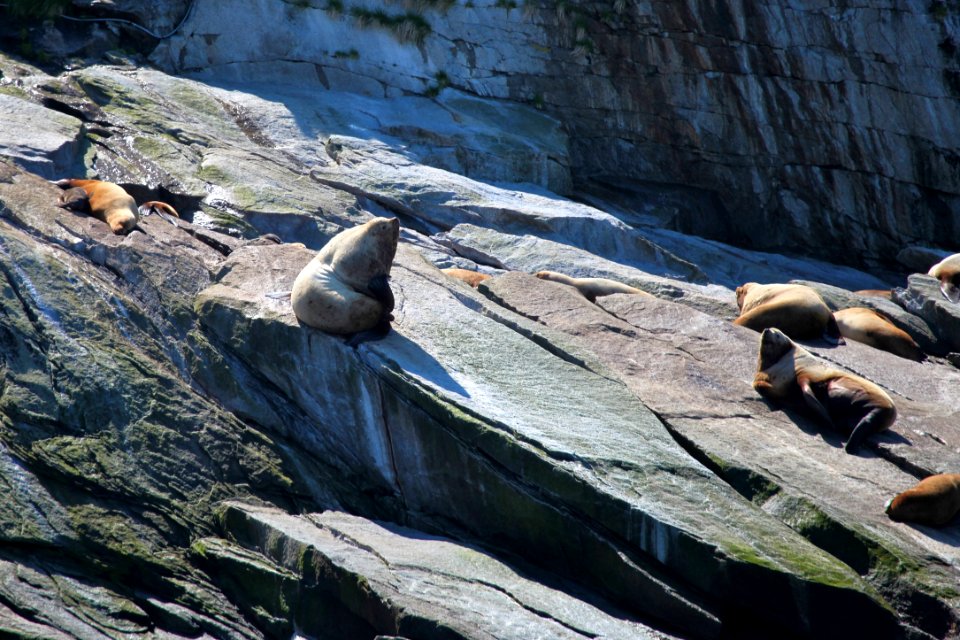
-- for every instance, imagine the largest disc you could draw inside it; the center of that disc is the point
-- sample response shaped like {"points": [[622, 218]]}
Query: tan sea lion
{"points": [[105, 201], [875, 329], [472, 278], [345, 288], [795, 309], [162, 209], [591, 288], [934, 501], [947, 271], [846, 401], [874, 293]]}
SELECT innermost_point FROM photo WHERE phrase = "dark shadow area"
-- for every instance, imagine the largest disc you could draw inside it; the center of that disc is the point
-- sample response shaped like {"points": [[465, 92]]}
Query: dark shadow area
{"points": [[410, 358], [186, 205]]}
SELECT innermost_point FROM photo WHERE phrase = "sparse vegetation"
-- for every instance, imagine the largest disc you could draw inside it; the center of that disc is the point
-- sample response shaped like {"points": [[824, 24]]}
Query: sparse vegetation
{"points": [[442, 81], [36, 8], [409, 26], [352, 54]]}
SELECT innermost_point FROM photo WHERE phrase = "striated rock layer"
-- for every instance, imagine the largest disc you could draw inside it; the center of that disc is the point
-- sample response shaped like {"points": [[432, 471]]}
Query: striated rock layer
{"points": [[183, 459], [764, 124]]}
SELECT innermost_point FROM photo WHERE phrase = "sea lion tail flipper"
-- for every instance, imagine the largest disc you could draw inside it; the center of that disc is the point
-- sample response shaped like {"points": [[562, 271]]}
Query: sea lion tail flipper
{"points": [[377, 333], [810, 398], [379, 290], [162, 209], [869, 424], [832, 332], [950, 291]]}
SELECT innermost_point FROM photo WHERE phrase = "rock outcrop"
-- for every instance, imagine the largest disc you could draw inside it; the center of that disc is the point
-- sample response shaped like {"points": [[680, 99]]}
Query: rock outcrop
{"points": [[183, 459], [765, 124]]}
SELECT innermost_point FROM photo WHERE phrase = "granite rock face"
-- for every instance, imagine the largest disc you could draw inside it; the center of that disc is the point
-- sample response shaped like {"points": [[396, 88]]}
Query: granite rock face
{"points": [[183, 459], [761, 124]]}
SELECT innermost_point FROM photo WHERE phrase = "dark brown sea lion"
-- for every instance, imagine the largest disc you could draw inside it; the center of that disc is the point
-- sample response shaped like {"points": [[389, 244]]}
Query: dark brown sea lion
{"points": [[845, 401]]}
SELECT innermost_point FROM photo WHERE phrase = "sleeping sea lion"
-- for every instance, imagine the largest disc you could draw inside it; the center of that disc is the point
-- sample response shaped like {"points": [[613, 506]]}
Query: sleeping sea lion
{"points": [[591, 288], [105, 201], [934, 501], [472, 278], [873, 328], [875, 293], [795, 309], [947, 271], [846, 401], [345, 288], [74, 199]]}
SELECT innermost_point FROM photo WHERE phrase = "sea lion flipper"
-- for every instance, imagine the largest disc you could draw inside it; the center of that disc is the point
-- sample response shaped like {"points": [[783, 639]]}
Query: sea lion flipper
{"points": [[950, 291], [811, 399], [832, 332], [379, 289], [877, 420], [162, 209]]}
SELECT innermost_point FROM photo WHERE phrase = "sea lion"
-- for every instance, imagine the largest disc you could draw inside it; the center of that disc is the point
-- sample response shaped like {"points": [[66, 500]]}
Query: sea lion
{"points": [[947, 271], [875, 293], [934, 501], [846, 401], [105, 201], [591, 288], [74, 199], [875, 329], [162, 209], [345, 289], [472, 278], [795, 309]]}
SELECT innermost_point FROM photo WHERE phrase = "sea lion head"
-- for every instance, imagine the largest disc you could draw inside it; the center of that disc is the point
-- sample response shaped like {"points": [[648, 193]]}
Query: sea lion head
{"points": [[774, 344], [380, 239], [742, 292]]}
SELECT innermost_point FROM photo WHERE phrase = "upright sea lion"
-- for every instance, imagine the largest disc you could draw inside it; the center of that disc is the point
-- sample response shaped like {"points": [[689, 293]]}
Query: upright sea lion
{"points": [[591, 288], [846, 401], [345, 288], [934, 501], [947, 271], [795, 309], [472, 278], [105, 201], [873, 328]]}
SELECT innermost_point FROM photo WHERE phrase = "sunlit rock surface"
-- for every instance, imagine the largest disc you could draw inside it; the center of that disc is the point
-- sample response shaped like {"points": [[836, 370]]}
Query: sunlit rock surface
{"points": [[170, 435]]}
